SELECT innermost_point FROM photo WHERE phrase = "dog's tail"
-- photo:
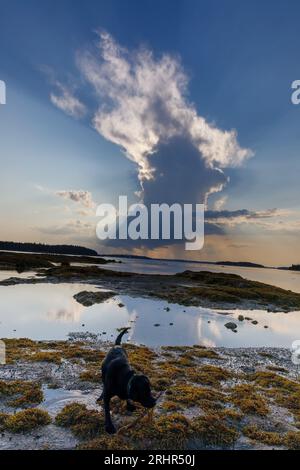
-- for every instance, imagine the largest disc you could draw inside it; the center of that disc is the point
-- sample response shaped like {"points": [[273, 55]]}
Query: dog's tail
{"points": [[120, 336]]}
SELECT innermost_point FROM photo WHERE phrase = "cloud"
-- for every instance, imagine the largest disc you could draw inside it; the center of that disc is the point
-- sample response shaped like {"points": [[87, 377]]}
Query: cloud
{"points": [[220, 222], [269, 219], [82, 197], [240, 214], [144, 107], [220, 203], [67, 102], [73, 227]]}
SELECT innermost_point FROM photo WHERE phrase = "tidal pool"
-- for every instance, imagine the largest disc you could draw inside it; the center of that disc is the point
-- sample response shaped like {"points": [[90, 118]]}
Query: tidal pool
{"points": [[49, 312]]}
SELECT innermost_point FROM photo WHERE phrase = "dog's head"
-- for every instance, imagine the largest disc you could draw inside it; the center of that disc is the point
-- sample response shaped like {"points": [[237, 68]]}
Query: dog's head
{"points": [[140, 391]]}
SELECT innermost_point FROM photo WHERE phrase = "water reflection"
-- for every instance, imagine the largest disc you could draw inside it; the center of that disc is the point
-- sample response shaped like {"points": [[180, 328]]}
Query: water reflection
{"points": [[70, 314], [48, 311]]}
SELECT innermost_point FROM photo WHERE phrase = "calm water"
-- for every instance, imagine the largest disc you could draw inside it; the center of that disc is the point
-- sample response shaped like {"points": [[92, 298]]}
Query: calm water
{"points": [[48, 311], [275, 277]]}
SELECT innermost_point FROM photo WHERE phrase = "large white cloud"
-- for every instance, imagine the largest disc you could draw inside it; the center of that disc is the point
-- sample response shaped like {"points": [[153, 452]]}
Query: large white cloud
{"points": [[143, 104]]}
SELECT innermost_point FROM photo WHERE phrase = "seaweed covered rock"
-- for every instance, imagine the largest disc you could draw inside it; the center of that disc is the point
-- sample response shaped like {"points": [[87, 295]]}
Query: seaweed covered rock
{"points": [[26, 420], [83, 422], [19, 393], [87, 299], [231, 325]]}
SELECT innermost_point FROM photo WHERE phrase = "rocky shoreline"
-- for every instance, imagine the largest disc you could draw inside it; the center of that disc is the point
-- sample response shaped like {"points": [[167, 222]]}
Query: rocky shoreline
{"points": [[189, 288], [246, 398]]}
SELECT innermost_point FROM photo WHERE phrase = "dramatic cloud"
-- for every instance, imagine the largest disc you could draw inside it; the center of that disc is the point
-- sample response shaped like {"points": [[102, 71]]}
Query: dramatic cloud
{"points": [[82, 197], [144, 109], [268, 219], [142, 106], [67, 102]]}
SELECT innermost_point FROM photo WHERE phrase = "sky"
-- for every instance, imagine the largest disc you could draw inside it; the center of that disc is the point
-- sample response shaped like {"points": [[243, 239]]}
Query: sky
{"points": [[162, 101]]}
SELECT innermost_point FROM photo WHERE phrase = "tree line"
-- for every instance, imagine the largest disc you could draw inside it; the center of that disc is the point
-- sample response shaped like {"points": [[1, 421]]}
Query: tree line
{"points": [[45, 248]]}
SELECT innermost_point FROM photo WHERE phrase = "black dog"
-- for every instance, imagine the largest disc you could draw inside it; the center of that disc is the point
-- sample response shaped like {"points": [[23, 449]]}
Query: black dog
{"points": [[119, 379]]}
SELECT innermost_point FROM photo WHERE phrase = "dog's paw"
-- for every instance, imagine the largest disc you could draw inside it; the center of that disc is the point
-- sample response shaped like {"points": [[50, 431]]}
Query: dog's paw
{"points": [[130, 407], [110, 429]]}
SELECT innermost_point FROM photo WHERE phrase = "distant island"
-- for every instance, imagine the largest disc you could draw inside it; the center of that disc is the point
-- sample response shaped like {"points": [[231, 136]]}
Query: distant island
{"points": [[45, 248], [136, 257], [244, 264], [241, 264], [294, 267]]}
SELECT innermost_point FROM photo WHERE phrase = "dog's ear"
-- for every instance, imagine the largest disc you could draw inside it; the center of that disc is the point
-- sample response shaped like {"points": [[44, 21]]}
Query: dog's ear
{"points": [[145, 379], [139, 383]]}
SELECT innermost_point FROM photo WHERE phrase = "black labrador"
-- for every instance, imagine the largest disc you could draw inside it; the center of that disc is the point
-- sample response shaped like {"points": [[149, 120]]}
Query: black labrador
{"points": [[119, 379]]}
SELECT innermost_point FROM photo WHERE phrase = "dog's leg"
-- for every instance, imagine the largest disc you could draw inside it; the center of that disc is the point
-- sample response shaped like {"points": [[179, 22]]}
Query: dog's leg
{"points": [[109, 427], [130, 406]]}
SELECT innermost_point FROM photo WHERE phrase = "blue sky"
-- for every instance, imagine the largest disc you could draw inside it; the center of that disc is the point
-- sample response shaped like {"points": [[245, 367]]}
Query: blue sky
{"points": [[240, 59]]}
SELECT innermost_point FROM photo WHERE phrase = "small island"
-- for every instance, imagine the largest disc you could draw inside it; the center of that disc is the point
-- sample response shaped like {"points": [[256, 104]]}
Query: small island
{"points": [[294, 267], [241, 264]]}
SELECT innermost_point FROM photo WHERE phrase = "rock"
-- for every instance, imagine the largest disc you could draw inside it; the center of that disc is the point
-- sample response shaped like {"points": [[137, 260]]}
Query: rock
{"points": [[231, 326], [266, 326], [254, 322], [156, 324], [171, 324], [167, 309], [241, 318], [121, 305], [248, 369], [87, 299], [248, 318]]}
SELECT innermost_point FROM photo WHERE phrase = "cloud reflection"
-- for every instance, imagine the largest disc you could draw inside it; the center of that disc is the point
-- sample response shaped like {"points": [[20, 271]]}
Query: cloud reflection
{"points": [[70, 314]]}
